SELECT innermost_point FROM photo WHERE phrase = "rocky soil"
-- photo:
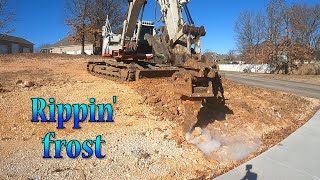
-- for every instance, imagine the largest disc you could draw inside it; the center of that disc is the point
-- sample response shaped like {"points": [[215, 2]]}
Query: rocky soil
{"points": [[147, 139]]}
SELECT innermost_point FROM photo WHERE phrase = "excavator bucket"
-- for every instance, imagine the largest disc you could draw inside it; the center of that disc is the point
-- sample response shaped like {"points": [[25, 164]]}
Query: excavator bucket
{"points": [[193, 87], [195, 80]]}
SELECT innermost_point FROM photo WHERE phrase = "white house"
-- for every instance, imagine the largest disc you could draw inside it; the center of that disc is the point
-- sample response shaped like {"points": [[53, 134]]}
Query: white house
{"points": [[68, 46]]}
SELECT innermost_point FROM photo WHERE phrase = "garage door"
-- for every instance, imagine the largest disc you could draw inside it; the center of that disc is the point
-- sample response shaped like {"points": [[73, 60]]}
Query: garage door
{"points": [[88, 52], [15, 48], [3, 49], [26, 50]]}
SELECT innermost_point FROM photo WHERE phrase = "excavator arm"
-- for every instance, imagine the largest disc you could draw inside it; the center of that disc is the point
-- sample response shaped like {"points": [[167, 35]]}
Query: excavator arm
{"points": [[129, 25], [177, 35]]}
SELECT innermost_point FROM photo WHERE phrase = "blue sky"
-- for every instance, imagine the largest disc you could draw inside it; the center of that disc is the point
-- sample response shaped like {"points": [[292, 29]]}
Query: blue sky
{"points": [[42, 21]]}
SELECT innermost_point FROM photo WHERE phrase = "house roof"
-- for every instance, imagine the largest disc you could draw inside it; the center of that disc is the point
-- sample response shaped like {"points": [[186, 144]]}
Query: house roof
{"points": [[68, 41], [222, 56], [14, 39]]}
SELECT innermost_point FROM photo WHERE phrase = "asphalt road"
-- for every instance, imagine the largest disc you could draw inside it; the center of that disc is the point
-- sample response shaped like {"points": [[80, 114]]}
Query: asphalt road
{"points": [[303, 89]]}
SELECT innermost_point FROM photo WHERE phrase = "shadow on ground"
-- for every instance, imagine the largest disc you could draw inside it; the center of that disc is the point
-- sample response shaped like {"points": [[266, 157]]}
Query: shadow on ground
{"points": [[249, 174], [214, 109]]}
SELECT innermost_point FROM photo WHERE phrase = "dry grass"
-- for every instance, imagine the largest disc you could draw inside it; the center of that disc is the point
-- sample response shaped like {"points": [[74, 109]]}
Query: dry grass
{"points": [[308, 69]]}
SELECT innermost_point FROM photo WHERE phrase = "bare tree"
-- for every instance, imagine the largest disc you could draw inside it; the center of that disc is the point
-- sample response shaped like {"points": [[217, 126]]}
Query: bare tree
{"points": [[5, 17], [114, 10], [232, 54], [78, 19], [260, 28], [276, 29], [250, 32], [86, 17], [244, 28], [305, 24], [275, 21]]}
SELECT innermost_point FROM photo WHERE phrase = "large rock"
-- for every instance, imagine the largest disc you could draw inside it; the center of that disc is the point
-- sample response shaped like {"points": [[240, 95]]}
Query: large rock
{"points": [[28, 84], [152, 100], [19, 82]]}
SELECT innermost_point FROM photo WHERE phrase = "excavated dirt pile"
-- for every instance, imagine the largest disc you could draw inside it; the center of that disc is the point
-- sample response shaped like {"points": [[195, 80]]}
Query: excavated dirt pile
{"points": [[250, 121]]}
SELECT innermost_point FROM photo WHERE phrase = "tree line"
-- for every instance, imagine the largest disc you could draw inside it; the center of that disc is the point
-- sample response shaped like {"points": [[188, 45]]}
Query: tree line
{"points": [[280, 35]]}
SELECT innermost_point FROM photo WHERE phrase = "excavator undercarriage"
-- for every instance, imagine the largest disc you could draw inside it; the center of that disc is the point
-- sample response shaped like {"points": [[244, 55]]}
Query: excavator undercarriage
{"points": [[130, 70]]}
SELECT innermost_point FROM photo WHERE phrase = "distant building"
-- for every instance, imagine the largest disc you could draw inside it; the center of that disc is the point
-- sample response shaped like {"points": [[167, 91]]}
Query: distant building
{"points": [[212, 56], [68, 46], [14, 45], [223, 58]]}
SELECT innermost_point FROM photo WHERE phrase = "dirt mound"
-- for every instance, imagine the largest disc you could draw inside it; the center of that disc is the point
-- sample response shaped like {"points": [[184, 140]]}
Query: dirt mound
{"points": [[243, 124]]}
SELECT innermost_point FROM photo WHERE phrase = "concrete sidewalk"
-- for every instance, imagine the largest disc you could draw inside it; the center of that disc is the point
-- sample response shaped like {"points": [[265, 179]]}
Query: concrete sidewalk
{"points": [[297, 157]]}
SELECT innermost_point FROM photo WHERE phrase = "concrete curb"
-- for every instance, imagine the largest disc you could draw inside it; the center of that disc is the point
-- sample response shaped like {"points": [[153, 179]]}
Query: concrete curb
{"points": [[296, 157]]}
